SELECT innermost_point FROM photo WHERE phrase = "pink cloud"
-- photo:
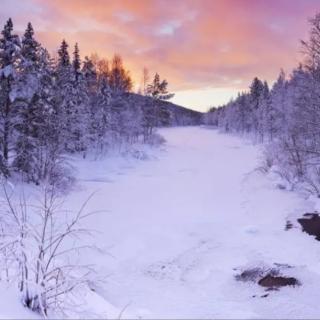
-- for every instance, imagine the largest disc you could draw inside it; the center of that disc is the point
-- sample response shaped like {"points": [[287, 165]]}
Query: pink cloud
{"points": [[195, 44]]}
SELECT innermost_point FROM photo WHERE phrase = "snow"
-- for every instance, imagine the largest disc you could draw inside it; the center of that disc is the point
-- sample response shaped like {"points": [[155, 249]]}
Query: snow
{"points": [[175, 228], [178, 226], [10, 305]]}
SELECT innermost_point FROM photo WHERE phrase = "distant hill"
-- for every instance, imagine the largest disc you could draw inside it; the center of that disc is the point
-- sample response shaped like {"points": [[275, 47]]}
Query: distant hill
{"points": [[177, 115]]}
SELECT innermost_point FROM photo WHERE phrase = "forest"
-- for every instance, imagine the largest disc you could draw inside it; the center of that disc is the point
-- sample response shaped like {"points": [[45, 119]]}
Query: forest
{"points": [[55, 106]]}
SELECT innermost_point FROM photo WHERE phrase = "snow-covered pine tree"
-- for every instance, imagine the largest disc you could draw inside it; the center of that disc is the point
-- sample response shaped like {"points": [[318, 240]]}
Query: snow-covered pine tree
{"points": [[64, 57], [256, 92], [63, 89], [66, 97], [80, 112], [264, 114], [279, 101], [76, 62], [49, 150], [90, 75], [10, 59], [28, 115], [101, 117]]}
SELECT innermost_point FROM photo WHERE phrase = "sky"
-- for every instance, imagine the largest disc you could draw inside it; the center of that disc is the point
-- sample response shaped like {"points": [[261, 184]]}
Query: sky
{"points": [[208, 50]]}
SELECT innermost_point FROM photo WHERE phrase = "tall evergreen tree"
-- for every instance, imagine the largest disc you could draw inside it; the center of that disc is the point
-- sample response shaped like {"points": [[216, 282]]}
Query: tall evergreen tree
{"points": [[90, 75], [10, 59], [156, 114], [100, 120], [27, 114], [65, 95], [76, 63], [64, 57]]}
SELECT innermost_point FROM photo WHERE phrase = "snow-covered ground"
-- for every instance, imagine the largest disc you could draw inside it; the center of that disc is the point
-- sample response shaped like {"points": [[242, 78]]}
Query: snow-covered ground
{"points": [[176, 226], [11, 306]]}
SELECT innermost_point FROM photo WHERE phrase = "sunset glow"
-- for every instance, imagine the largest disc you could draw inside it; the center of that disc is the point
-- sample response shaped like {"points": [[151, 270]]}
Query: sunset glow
{"points": [[207, 50]]}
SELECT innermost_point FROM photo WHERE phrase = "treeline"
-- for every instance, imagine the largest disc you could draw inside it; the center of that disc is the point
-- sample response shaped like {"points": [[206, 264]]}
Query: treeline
{"points": [[286, 118], [170, 113], [52, 106]]}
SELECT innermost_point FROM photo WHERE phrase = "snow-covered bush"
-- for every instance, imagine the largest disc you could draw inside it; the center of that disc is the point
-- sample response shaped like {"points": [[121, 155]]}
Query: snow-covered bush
{"points": [[38, 247]]}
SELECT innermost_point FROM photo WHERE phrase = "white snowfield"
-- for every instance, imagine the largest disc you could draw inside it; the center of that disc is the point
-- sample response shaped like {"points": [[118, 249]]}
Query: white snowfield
{"points": [[177, 226]]}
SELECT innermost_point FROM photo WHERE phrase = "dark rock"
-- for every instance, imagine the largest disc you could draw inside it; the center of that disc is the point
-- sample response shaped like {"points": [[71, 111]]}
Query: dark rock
{"points": [[271, 281], [311, 224]]}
